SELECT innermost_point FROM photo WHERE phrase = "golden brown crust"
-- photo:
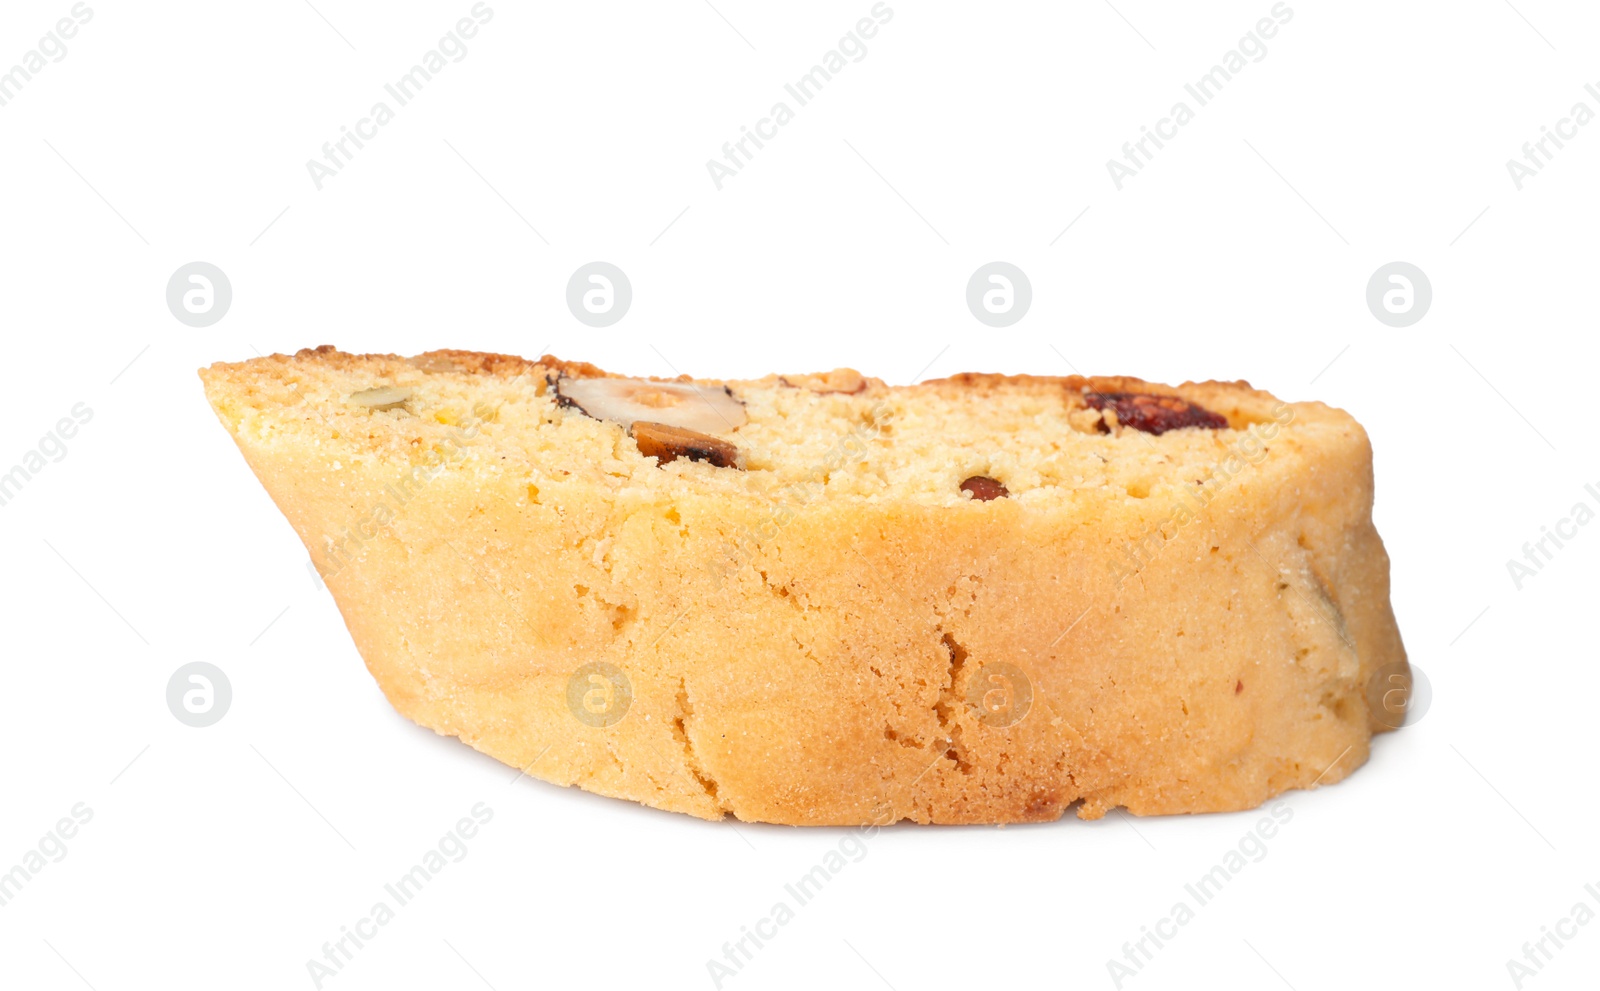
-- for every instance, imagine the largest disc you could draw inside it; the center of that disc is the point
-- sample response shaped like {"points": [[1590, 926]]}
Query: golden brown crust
{"points": [[845, 381], [480, 363], [840, 381]]}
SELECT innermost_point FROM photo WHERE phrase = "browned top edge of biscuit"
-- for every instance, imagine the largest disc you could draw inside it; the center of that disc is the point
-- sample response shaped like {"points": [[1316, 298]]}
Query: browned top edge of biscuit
{"points": [[512, 366]]}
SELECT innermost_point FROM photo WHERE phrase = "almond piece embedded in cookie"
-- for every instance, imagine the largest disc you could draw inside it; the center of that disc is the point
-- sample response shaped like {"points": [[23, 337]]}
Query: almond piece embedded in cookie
{"points": [[383, 397], [704, 409], [668, 443]]}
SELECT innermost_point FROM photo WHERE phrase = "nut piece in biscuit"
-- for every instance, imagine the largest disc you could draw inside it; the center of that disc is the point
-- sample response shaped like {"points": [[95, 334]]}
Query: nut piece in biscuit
{"points": [[1154, 414], [668, 443], [982, 488], [701, 409], [383, 397]]}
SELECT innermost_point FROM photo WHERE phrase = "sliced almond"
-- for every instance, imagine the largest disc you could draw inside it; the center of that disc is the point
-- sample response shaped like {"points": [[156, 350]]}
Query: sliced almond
{"points": [[668, 443], [704, 409], [383, 397]]}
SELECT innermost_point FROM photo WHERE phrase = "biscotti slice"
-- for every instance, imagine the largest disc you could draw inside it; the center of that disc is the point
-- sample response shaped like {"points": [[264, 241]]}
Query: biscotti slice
{"points": [[818, 599]]}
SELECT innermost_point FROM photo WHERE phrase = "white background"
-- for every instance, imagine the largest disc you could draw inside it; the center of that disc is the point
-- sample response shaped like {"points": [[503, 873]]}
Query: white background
{"points": [[1370, 132]]}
